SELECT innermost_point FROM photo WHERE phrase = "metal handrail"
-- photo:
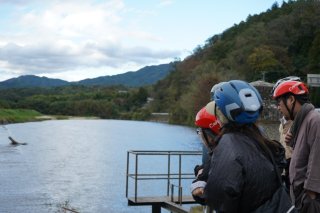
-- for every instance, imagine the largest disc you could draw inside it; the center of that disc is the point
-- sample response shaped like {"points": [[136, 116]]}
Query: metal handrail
{"points": [[158, 176], [148, 152]]}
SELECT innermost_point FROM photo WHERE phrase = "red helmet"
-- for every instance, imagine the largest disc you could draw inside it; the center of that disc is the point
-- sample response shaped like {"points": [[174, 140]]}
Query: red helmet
{"points": [[294, 87], [206, 120]]}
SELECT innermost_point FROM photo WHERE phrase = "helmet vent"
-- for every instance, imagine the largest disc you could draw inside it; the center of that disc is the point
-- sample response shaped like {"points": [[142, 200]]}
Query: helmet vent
{"points": [[248, 95]]}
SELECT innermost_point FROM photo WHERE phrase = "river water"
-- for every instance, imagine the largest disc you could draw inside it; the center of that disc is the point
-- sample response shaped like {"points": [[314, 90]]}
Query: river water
{"points": [[79, 164]]}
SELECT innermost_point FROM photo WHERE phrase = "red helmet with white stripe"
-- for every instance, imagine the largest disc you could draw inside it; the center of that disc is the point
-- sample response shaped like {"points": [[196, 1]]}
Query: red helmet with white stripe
{"points": [[206, 120], [294, 87]]}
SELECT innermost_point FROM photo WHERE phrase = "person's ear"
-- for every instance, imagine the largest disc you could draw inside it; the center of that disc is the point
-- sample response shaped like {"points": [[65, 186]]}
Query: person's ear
{"points": [[291, 99]]}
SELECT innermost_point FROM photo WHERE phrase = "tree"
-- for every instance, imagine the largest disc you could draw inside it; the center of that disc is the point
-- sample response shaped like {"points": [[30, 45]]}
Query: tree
{"points": [[314, 55], [275, 6], [196, 98], [262, 60]]}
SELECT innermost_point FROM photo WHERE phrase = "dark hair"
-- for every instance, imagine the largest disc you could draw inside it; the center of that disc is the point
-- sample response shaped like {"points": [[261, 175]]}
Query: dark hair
{"points": [[302, 99]]}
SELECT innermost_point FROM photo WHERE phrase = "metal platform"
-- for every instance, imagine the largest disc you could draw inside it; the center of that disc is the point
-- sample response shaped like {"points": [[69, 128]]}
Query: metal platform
{"points": [[140, 201], [170, 201], [162, 202]]}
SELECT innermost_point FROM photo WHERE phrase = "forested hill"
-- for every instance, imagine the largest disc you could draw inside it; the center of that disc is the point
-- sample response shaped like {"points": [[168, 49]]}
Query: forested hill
{"points": [[145, 76], [284, 40], [32, 81]]}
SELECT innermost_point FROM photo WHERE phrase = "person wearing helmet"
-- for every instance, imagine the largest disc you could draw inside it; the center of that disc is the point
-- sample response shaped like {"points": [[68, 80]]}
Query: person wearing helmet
{"points": [[208, 131], [241, 177], [284, 127], [208, 126], [304, 137], [205, 150]]}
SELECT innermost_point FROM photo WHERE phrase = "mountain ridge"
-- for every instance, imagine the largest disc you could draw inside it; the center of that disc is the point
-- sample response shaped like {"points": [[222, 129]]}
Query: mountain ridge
{"points": [[145, 76]]}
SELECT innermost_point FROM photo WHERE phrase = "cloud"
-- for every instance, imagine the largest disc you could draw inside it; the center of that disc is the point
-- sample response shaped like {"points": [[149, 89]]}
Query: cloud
{"points": [[57, 36], [64, 56], [165, 2]]}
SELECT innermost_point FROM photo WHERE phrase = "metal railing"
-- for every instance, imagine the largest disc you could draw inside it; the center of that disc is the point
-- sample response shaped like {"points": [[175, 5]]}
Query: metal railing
{"points": [[169, 176]]}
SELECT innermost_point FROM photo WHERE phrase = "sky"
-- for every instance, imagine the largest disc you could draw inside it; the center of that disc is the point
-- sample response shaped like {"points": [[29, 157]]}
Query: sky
{"points": [[77, 39]]}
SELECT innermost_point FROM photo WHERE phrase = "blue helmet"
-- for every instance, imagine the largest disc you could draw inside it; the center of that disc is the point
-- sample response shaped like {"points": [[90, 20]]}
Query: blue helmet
{"points": [[238, 101], [214, 88]]}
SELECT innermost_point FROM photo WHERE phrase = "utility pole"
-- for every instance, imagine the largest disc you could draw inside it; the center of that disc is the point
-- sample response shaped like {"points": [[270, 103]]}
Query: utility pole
{"points": [[263, 75]]}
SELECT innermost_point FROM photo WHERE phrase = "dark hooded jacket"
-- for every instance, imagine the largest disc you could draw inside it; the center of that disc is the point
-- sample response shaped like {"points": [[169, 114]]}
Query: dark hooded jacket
{"points": [[241, 177]]}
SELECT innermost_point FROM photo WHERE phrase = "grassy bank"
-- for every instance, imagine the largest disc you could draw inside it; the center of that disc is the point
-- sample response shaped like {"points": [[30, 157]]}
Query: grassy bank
{"points": [[18, 115], [27, 115]]}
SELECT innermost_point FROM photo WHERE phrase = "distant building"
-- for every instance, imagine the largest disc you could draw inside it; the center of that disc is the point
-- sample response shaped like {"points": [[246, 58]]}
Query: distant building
{"points": [[314, 80]]}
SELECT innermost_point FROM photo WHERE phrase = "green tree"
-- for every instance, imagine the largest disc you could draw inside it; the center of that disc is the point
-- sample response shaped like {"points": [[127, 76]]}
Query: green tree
{"points": [[262, 60]]}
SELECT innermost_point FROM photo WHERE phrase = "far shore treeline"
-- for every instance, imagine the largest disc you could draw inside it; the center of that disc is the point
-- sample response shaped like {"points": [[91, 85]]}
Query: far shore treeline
{"points": [[283, 41], [103, 102]]}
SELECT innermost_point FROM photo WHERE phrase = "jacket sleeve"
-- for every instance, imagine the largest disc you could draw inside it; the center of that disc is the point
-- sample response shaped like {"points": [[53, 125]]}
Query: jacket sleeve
{"points": [[313, 171], [225, 181]]}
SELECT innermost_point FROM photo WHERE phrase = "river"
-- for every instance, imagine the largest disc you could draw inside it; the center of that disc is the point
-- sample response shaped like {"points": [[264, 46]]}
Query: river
{"points": [[79, 164]]}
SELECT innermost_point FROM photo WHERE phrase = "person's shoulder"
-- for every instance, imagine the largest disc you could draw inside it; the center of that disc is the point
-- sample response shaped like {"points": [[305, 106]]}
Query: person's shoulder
{"points": [[227, 137], [313, 119], [232, 140], [314, 114], [232, 147], [226, 148]]}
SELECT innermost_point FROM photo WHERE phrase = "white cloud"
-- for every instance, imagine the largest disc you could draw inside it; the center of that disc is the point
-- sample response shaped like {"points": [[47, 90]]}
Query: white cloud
{"points": [[66, 36], [165, 2]]}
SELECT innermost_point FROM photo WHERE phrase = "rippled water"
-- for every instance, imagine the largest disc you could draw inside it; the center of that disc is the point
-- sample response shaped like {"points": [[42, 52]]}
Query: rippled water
{"points": [[79, 164]]}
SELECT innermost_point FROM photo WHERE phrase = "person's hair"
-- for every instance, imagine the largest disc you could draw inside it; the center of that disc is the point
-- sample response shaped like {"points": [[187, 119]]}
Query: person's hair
{"points": [[302, 99], [254, 132]]}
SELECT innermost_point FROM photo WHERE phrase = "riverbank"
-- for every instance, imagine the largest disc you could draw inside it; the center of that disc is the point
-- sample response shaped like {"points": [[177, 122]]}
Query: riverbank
{"points": [[18, 115], [26, 115]]}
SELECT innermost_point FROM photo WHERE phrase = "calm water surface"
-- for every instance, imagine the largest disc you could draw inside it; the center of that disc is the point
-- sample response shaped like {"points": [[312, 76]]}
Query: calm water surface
{"points": [[79, 163]]}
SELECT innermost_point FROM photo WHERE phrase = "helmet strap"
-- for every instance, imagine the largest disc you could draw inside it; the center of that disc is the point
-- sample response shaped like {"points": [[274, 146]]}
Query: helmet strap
{"points": [[292, 108]]}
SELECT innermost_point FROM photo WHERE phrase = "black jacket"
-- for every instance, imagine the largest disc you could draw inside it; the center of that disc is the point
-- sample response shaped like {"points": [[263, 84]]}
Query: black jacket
{"points": [[241, 177]]}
